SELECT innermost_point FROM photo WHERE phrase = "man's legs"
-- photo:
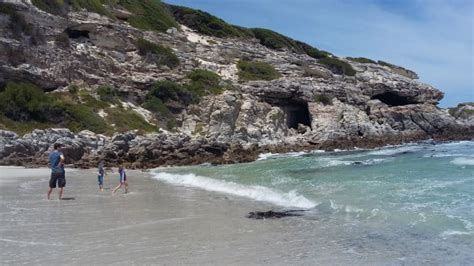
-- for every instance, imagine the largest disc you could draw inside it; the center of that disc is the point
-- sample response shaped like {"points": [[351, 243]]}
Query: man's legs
{"points": [[49, 192], [52, 184], [61, 184], [61, 191]]}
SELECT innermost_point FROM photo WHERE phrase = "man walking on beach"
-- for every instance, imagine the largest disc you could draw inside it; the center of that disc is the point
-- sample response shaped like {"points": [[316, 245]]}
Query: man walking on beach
{"points": [[56, 159]]}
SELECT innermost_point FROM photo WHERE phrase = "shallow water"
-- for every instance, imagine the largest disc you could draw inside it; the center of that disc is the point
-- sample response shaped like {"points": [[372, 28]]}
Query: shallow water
{"points": [[400, 204]]}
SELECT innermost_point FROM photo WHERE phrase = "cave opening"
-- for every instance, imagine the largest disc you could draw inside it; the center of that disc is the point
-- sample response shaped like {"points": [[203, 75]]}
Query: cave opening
{"points": [[297, 113], [393, 99], [76, 34]]}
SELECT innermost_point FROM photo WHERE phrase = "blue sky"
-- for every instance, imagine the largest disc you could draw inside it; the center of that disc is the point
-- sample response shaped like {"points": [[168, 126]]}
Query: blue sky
{"points": [[432, 37]]}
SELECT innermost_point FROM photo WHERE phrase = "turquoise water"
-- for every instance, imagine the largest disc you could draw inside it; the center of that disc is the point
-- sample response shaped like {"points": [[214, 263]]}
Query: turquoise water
{"points": [[418, 196]]}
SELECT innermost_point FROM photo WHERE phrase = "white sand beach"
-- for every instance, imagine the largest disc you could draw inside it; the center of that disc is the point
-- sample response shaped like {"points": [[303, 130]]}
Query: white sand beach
{"points": [[154, 223], [157, 223]]}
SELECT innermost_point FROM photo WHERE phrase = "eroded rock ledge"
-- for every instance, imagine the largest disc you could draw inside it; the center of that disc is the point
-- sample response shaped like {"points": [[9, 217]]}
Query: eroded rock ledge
{"points": [[86, 149]]}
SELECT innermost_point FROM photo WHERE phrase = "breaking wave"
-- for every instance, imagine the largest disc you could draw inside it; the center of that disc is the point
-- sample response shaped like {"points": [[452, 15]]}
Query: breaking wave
{"points": [[260, 193]]}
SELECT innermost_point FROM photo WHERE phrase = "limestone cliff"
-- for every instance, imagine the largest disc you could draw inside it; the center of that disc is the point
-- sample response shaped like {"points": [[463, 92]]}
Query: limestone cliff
{"points": [[315, 99]]}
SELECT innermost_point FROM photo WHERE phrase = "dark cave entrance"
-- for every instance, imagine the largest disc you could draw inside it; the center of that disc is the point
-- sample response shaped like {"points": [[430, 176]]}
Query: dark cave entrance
{"points": [[76, 34], [392, 99], [297, 113]]}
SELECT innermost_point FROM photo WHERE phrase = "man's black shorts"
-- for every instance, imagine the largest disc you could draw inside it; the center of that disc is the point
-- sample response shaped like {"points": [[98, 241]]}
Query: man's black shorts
{"points": [[57, 178]]}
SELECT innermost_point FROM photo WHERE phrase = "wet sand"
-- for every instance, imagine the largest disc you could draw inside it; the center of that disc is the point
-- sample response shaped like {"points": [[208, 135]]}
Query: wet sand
{"points": [[154, 223]]}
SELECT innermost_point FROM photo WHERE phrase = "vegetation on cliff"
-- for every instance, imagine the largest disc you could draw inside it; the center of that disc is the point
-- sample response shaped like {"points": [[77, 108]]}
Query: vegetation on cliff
{"points": [[337, 66], [206, 23], [253, 70], [204, 82], [157, 54], [60, 7], [463, 110], [362, 60], [24, 107], [17, 23], [149, 15]]}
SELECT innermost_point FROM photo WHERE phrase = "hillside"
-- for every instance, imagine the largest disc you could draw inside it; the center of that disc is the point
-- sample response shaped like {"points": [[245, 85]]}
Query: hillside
{"points": [[154, 84]]}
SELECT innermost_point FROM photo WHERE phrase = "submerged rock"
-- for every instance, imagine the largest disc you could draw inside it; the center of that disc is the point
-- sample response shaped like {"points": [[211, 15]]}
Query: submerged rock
{"points": [[259, 215]]}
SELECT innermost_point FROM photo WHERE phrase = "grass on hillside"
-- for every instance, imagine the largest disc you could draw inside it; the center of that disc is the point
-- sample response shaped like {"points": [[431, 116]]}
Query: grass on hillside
{"points": [[149, 15], [60, 7], [362, 60], [22, 127], [204, 82], [337, 66], [253, 70], [24, 107], [17, 23], [158, 54], [206, 23], [127, 119]]}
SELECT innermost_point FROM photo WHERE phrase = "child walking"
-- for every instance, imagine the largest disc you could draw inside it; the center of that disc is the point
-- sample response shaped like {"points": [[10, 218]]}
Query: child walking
{"points": [[123, 178], [100, 175]]}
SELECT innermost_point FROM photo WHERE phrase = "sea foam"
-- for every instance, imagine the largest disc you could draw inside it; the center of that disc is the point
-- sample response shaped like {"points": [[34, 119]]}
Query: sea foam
{"points": [[260, 193], [463, 161]]}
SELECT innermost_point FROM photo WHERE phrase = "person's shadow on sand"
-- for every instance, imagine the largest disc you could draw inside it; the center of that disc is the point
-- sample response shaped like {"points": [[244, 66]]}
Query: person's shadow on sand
{"points": [[68, 198]]}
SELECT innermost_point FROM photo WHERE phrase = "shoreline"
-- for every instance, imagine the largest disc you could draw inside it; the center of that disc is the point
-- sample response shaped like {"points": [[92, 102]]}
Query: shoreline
{"points": [[239, 154], [174, 223], [156, 222]]}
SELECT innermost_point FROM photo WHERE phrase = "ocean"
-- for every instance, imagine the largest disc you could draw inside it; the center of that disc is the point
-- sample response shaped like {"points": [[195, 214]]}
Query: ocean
{"points": [[403, 204]]}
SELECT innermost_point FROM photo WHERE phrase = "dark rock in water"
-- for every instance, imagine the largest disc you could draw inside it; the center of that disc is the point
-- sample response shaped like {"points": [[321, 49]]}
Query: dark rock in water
{"points": [[357, 163], [273, 214]]}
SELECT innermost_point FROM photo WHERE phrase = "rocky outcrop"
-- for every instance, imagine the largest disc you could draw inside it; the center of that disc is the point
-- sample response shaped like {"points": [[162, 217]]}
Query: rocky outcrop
{"points": [[259, 215], [308, 107]]}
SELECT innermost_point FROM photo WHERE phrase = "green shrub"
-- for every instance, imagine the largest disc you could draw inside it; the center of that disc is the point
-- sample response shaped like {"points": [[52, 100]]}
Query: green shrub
{"points": [[252, 70], [62, 40], [91, 101], [96, 6], [17, 23], [399, 70], [107, 93], [168, 90], [274, 40], [362, 60], [22, 127], [311, 51], [73, 89], [80, 117], [315, 73], [212, 42], [208, 77], [460, 112], [206, 23], [55, 7], [60, 7], [337, 66], [25, 102], [149, 15], [126, 119], [156, 105], [324, 99], [171, 124], [160, 55], [162, 113], [204, 82]]}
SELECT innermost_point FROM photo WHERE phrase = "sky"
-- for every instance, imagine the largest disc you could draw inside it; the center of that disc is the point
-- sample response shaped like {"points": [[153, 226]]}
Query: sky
{"points": [[432, 37]]}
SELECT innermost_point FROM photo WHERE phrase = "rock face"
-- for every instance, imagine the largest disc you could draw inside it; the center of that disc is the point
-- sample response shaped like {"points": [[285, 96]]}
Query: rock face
{"points": [[379, 105]]}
